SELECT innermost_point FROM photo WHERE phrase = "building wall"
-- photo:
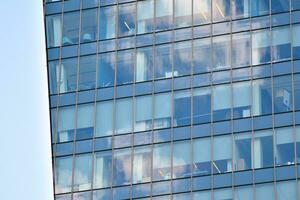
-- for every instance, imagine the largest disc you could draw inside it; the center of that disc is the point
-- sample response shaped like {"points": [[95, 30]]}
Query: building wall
{"points": [[174, 99]]}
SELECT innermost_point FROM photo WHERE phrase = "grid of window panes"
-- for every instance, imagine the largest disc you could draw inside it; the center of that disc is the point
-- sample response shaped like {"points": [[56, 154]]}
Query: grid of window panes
{"points": [[174, 99]]}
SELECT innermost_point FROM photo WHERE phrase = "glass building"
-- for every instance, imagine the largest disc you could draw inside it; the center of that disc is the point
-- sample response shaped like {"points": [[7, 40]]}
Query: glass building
{"points": [[174, 99]]}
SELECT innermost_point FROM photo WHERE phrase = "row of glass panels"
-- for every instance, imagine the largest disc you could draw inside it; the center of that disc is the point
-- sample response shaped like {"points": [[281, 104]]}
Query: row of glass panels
{"points": [[283, 190], [130, 19], [197, 157], [171, 60], [181, 108]]}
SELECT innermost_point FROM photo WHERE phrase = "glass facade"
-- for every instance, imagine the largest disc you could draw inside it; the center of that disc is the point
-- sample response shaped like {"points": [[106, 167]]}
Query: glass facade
{"points": [[174, 99]]}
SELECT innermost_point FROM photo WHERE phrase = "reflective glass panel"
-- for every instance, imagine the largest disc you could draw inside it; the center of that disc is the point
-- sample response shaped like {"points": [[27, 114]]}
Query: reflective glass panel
{"points": [[162, 110], [106, 69], [280, 6], [297, 91], [264, 191], [282, 94], [182, 58], [221, 10], [125, 67], [286, 190], [88, 25], [261, 47], [161, 162], [85, 121], [221, 52], [222, 102], [182, 108], [222, 156], [82, 172], [202, 55], [123, 116], [245, 193], [66, 124], [122, 167], [241, 50], [223, 194], [259, 7], [242, 150], [284, 149], [68, 75], [263, 149], [281, 44], [63, 174], [143, 113], [87, 73], [142, 164], [164, 14], [240, 8], [53, 71], [201, 156], [144, 64], [104, 118], [163, 61], [202, 11], [126, 19], [53, 29], [145, 14], [242, 100], [296, 41], [261, 97], [70, 28], [107, 27], [183, 13], [201, 105], [102, 169], [181, 159]]}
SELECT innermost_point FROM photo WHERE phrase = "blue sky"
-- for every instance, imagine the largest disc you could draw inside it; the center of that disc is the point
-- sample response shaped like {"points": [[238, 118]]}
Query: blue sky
{"points": [[25, 165]]}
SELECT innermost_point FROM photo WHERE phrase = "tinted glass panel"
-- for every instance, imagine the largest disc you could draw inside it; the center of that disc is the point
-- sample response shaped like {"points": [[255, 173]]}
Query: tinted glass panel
{"points": [[183, 13], [241, 50], [260, 47], [82, 172], [143, 113], [284, 151], [125, 67], [107, 21], [71, 28], [106, 69], [85, 121], [162, 110], [241, 100], [240, 8], [161, 162], [259, 7], [221, 10], [53, 29], [263, 149], [282, 94], [182, 58], [123, 116], [126, 19], [201, 105], [163, 61], [102, 169], [164, 14], [222, 154], [66, 124], [182, 108], [145, 14], [142, 164], [243, 153], [202, 55], [201, 156], [222, 102], [144, 64], [122, 167], [202, 11], [221, 52], [87, 73], [181, 159], [63, 174], [89, 25], [281, 45], [68, 75], [104, 118], [262, 97]]}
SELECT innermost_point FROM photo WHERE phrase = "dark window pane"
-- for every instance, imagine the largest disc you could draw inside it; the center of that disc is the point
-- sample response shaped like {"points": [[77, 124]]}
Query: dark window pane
{"points": [[125, 67], [87, 73], [71, 28], [88, 25]]}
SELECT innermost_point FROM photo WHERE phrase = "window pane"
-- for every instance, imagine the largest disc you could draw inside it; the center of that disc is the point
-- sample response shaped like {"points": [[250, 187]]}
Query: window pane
{"points": [[181, 159], [201, 156], [53, 70], [297, 144], [222, 102], [82, 172], [125, 67], [161, 162], [162, 110], [66, 124], [201, 105], [281, 44], [205, 195], [104, 119], [182, 58], [242, 147], [241, 50], [280, 6], [68, 75], [222, 156], [223, 194], [144, 64], [263, 149], [183, 13], [122, 167], [241, 100], [282, 94], [182, 108], [221, 52], [245, 193], [126, 19], [53, 29], [163, 61], [221, 10], [264, 191], [102, 169], [145, 14], [202, 55], [296, 41], [107, 20], [297, 91], [164, 14], [106, 71], [202, 11], [259, 7], [284, 153], [260, 47], [123, 116], [71, 28], [63, 174], [85, 121], [262, 97], [82, 196], [87, 73], [88, 25], [142, 164], [240, 8], [286, 190], [143, 113]]}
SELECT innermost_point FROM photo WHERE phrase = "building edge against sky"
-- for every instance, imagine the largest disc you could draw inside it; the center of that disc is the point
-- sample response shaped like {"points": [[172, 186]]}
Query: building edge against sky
{"points": [[174, 99]]}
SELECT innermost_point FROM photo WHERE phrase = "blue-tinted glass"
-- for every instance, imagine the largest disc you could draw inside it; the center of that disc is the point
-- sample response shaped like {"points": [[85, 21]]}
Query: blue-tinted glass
{"points": [[85, 121], [141, 190], [143, 113], [123, 121], [284, 149], [68, 75], [66, 124], [240, 8], [90, 3], [53, 71], [282, 94], [63, 197], [164, 14], [102, 169], [122, 141], [202, 55], [107, 27], [281, 44], [264, 191], [71, 5], [122, 167], [142, 164], [201, 195], [221, 10], [181, 159], [106, 69], [125, 67], [144, 64], [221, 28], [259, 7], [222, 102], [84, 146], [221, 52], [182, 58], [297, 91], [241, 50], [161, 188], [163, 61], [286, 190], [201, 105], [280, 6], [121, 192], [82, 196], [183, 13], [222, 154], [70, 28], [145, 15], [201, 156], [296, 41], [261, 47], [88, 25], [295, 4], [222, 194], [87, 73], [161, 162], [182, 108], [262, 97], [102, 194], [246, 193], [201, 11], [63, 174], [162, 110], [82, 172], [263, 149], [243, 151], [126, 24], [53, 29], [104, 118], [242, 100]]}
